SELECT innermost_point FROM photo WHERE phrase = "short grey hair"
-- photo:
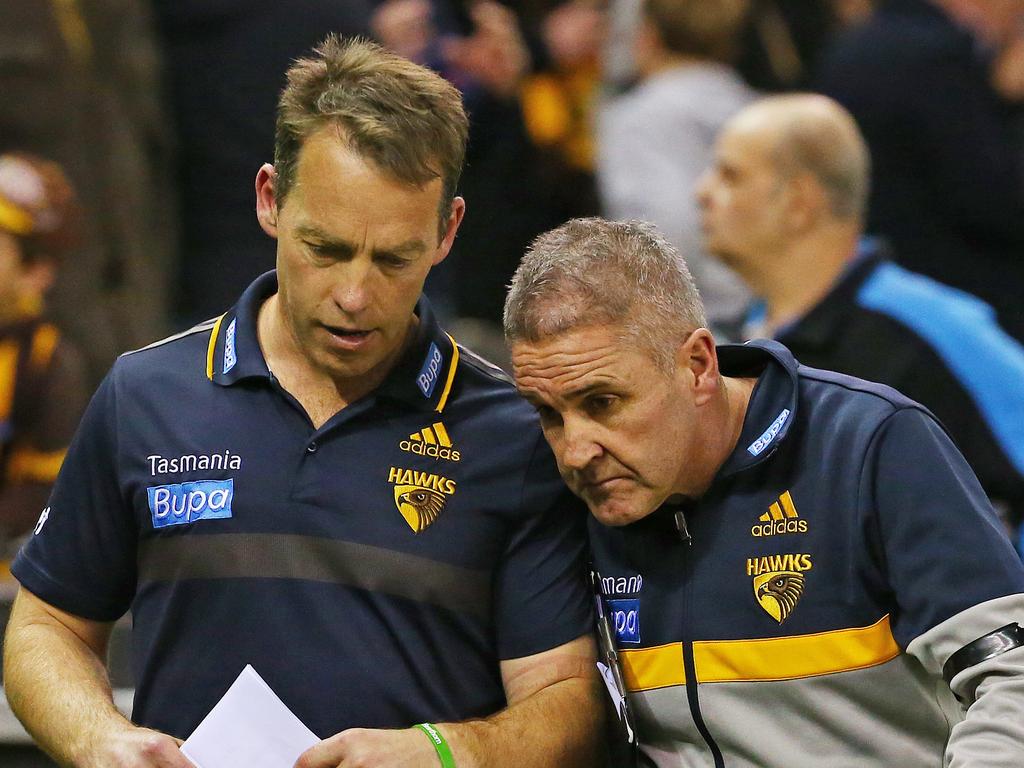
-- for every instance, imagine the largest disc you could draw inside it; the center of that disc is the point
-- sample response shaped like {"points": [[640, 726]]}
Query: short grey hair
{"points": [[595, 272]]}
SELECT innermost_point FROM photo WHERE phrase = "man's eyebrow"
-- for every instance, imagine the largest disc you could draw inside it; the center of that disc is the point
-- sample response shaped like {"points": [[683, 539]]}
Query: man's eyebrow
{"points": [[322, 238], [408, 248], [587, 389]]}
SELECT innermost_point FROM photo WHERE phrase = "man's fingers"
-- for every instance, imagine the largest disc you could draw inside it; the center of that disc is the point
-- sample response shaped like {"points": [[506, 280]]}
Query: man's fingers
{"points": [[327, 754]]}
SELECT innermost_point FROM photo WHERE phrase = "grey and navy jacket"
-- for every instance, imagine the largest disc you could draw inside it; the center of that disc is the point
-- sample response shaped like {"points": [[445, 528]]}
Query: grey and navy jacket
{"points": [[938, 346], [844, 552]]}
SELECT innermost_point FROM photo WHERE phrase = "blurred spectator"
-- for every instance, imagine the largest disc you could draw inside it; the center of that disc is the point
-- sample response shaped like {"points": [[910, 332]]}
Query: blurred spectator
{"points": [[79, 84], [784, 203], [949, 191], [559, 99], [511, 193], [42, 383], [225, 61], [654, 141], [780, 44], [784, 39]]}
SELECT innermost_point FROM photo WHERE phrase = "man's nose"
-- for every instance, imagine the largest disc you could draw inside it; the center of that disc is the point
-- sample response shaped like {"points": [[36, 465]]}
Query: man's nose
{"points": [[579, 447], [351, 290]]}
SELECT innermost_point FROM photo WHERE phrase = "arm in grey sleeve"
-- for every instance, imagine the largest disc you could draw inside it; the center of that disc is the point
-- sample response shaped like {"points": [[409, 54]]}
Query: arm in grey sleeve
{"points": [[989, 727]]}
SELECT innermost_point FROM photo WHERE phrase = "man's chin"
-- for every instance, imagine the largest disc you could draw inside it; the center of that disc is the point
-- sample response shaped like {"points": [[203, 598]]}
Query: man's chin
{"points": [[615, 513]]}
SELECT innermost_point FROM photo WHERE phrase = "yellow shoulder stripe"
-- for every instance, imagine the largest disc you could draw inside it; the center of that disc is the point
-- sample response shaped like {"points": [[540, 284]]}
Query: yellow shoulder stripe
{"points": [[451, 375], [211, 347], [780, 658]]}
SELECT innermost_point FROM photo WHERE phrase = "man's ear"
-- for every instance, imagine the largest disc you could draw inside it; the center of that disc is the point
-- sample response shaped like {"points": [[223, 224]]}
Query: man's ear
{"points": [[806, 201], [455, 216], [697, 359], [266, 199]]}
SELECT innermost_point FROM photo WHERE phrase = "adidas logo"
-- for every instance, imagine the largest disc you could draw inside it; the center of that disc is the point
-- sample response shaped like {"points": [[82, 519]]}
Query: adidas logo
{"points": [[781, 517], [431, 441]]}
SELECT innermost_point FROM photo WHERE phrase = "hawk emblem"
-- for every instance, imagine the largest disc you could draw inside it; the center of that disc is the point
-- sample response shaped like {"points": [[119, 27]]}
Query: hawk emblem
{"points": [[778, 592], [419, 506]]}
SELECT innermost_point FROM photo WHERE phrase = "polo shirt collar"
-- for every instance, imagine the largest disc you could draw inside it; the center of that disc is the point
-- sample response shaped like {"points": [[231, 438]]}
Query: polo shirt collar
{"points": [[425, 374], [234, 351], [773, 401], [423, 377]]}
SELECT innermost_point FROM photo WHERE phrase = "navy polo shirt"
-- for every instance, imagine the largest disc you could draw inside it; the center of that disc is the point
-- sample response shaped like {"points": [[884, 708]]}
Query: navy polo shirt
{"points": [[374, 571]]}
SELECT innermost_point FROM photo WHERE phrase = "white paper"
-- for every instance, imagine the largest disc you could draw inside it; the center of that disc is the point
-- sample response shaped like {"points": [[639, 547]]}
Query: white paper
{"points": [[618, 697], [249, 726]]}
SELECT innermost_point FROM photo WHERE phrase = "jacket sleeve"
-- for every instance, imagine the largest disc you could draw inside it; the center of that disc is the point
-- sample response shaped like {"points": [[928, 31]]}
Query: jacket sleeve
{"points": [[955, 578], [991, 731]]}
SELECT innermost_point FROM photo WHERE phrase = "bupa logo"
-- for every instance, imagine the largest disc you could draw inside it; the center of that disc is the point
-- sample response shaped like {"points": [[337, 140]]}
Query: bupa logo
{"points": [[625, 616], [183, 503], [757, 447], [430, 371], [230, 358]]}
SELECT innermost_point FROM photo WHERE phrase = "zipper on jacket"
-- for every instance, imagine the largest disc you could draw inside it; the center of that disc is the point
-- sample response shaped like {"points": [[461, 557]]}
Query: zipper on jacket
{"points": [[687, 645]]}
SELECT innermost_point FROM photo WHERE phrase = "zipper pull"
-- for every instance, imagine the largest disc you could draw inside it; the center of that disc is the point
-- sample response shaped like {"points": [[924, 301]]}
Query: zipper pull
{"points": [[684, 532]]}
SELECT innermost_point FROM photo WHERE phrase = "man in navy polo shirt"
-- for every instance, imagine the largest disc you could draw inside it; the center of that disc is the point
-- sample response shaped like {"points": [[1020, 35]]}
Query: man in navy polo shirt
{"points": [[319, 483], [798, 567]]}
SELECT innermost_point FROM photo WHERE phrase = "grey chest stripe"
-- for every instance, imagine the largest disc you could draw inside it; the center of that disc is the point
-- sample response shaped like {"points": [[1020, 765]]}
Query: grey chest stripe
{"points": [[286, 556]]}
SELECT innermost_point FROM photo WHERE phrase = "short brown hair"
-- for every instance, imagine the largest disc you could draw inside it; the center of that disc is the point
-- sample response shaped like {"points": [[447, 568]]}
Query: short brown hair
{"points": [[707, 29], [597, 272], [405, 118]]}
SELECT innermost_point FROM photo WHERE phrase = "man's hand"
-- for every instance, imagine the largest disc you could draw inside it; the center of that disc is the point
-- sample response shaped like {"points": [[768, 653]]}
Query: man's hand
{"points": [[365, 748], [137, 748]]}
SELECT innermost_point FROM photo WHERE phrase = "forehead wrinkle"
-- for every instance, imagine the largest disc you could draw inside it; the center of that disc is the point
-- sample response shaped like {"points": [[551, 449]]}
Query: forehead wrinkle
{"points": [[568, 375]]}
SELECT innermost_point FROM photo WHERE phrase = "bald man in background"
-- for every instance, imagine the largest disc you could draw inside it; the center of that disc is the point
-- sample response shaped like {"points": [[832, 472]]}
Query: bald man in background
{"points": [[784, 205]]}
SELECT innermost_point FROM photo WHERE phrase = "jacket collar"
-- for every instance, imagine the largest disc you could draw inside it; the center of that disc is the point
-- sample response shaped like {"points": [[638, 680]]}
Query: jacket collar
{"points": [[773, 401]]}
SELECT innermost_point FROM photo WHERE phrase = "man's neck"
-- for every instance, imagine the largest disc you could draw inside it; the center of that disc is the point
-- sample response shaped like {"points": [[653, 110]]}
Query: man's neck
{"points": [[801, 277], [722, 428], [662, 61], [317, 391]]}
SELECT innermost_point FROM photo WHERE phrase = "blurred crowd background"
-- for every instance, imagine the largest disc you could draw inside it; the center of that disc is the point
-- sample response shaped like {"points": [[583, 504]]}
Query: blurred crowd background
{"points": [[131, 131]]}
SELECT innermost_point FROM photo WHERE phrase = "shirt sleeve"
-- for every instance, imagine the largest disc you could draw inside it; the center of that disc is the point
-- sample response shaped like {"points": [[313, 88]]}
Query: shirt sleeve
{"points": [[542, 598], [954, 578], [81, 556]]}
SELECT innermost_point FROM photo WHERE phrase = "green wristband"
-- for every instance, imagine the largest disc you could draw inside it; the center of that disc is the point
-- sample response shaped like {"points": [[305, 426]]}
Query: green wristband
{"points": [[444, 753]]}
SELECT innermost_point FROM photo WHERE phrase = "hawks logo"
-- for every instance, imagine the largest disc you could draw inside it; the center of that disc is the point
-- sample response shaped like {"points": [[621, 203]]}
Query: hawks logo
{"points": [[420, 496], [779, 582]]}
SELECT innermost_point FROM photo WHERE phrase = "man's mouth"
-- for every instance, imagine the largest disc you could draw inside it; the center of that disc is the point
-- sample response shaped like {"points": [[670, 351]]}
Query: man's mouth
{"points": [[603, 485], [347, 337]]}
